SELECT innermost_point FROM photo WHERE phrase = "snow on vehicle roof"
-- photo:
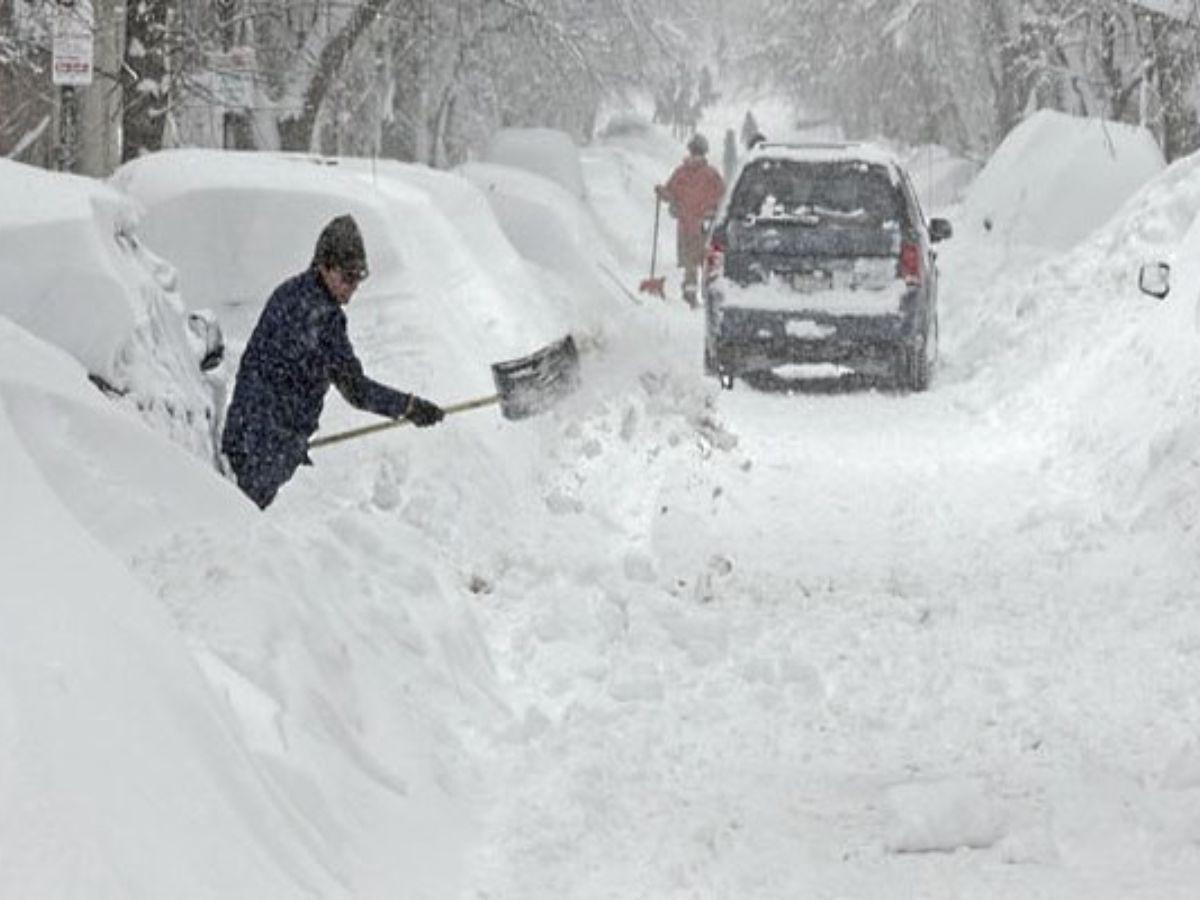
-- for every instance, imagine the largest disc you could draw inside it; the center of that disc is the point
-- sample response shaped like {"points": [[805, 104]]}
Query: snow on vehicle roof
{"points": [[849, 151]]}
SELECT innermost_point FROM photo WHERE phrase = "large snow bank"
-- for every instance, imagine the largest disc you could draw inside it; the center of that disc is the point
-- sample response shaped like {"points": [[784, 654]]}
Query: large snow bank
{"points": [[543, 151], [1139, 406], [119, 774], [235, 225], [1109, 373], [322, 759], [76, 273], [1056, 178]]}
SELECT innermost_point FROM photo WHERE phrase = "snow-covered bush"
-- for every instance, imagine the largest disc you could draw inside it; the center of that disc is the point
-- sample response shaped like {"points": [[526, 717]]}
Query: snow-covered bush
{"points": [[77, 275]]}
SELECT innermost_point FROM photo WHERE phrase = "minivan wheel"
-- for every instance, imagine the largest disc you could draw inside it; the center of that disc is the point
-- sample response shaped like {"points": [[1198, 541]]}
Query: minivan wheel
{"points": [[913, 368]]}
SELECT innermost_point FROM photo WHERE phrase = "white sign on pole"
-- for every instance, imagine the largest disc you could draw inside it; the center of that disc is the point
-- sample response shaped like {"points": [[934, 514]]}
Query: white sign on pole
{"points": [[74, 42], [233, 77]]}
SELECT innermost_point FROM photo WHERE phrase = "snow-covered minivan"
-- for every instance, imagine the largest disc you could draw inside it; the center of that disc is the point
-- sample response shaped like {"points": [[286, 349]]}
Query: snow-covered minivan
{"points": [[821, 254]]}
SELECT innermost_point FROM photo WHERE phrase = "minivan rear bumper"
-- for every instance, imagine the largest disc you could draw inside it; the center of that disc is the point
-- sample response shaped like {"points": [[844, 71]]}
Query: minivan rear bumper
{"points": [[743, 340]]}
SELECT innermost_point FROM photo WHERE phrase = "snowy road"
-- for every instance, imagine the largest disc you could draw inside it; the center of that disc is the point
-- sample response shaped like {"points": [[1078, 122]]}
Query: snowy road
{"points": [[867, 591], [836, 631]]}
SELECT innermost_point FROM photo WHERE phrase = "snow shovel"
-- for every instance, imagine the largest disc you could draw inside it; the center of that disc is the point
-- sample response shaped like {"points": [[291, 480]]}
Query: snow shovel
{"points": [[524, 388], [654, 285]]}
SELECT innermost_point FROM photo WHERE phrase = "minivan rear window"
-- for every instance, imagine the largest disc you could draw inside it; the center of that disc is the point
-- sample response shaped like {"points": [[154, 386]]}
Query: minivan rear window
{"points": [[785, 189]]}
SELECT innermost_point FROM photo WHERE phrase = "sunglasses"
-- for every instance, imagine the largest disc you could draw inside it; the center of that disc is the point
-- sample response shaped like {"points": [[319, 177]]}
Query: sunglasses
{"points": [[355, 275]]}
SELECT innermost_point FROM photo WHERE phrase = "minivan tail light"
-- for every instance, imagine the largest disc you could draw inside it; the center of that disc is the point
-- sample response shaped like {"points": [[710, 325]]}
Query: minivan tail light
{"points": [[714, 260], [911, 267]]}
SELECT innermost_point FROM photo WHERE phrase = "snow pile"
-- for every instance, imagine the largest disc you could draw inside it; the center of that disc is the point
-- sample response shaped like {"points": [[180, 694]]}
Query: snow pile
{"points": [[323, 756], [121, 772], [1109, 372], [235, 225], [544, 151], [555, 231], [940, 178], [1139, 406], [1056, 178], [943, 816], [460, 251], [77, 274]]}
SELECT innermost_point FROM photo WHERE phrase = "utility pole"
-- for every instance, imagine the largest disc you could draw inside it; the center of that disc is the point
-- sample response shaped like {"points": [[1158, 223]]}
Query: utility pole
{"points": [[100, 113], [88, 51]]}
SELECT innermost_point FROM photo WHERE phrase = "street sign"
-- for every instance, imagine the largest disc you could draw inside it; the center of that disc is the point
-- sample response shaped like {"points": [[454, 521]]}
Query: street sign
{"points": [[233, 74], [74, 42]]}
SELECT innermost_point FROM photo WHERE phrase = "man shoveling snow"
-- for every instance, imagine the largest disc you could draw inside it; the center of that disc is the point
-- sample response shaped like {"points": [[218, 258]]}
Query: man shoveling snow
{"points": [[298, 348]]}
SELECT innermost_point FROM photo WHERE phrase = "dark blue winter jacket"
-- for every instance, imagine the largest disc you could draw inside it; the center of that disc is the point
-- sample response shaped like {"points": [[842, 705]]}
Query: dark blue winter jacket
{"points": [[299, 347]]}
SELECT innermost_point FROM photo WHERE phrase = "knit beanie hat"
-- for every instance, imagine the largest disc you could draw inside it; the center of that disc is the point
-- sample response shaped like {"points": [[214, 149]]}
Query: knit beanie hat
{"points": [[340, 246]]}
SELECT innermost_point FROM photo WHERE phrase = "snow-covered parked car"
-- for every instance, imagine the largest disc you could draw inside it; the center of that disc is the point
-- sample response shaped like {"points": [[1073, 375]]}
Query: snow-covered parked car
{"points": [[77, 275], [544, 151], [821, 254]]}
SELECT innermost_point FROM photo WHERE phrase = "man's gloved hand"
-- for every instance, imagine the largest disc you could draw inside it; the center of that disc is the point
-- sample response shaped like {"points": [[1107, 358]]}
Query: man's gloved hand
{"points": [[422, 412]]}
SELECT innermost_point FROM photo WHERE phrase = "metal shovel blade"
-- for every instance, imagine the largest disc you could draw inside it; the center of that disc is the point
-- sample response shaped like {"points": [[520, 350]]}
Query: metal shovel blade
{"points": [[524, 388], [534, 383]]}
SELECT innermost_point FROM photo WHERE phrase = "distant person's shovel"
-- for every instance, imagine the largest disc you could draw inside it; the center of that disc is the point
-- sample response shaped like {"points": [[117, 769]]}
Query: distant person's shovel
{"points": [[524, 388], [654, 285]]}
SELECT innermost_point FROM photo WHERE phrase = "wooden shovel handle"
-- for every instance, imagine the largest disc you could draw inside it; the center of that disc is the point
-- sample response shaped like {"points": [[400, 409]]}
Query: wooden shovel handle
{"points": [[450, 410]]}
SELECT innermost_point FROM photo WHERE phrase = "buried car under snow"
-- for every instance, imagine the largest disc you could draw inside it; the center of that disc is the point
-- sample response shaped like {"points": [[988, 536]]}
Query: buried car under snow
{"points": [[822, 255]]}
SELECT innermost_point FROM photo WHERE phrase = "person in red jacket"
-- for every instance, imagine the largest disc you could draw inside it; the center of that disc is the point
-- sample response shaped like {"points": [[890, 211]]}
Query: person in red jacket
{"points": [[693, 191]]}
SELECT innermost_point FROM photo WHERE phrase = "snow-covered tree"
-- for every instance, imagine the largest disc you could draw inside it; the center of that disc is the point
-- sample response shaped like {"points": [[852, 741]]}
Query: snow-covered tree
{"points": [[151, 49], [964, 72], [26, 96]]}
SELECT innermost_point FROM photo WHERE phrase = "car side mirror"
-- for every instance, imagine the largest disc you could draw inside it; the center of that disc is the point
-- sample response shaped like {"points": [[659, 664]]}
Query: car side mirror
{"points": [[940, 230], [1155, 279], [204, 325]]}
